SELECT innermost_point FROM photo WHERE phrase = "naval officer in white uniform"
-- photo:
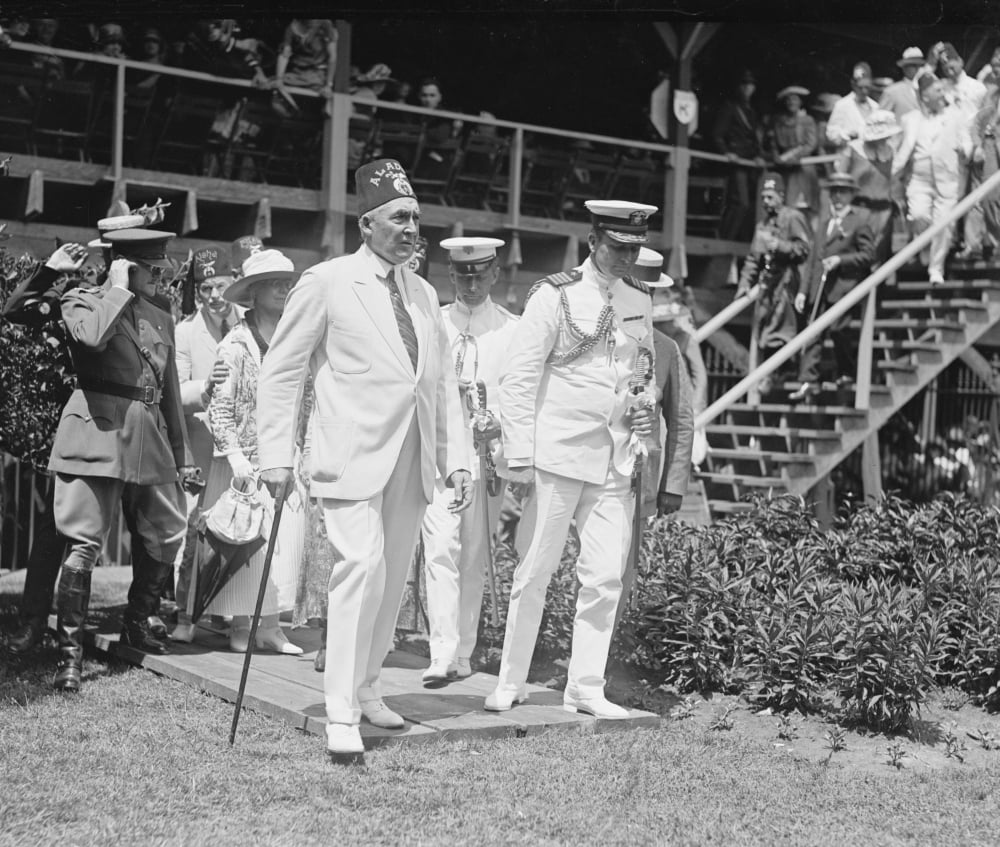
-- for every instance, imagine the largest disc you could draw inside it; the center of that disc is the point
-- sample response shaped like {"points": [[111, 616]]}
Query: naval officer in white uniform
{"points": [[455, 544], [570, 426]]}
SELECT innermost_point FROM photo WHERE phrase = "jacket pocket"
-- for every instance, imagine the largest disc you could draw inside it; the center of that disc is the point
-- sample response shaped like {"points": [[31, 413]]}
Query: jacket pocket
{"points": [[330, 446], [348, 350]]}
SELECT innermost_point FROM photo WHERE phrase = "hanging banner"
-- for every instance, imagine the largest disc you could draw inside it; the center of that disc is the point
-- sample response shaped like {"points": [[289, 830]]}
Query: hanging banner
{"points": [[658, 101]]}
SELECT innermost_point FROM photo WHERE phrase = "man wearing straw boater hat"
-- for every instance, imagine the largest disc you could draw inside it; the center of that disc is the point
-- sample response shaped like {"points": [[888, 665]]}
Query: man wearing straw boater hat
{"points": [[387, 419], [572, 409], [842, 256], [121, 438], [900, 98]]}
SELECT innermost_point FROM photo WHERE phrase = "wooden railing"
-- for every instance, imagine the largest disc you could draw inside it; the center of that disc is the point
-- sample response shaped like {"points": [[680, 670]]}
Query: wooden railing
{"points": [[865, 290]]}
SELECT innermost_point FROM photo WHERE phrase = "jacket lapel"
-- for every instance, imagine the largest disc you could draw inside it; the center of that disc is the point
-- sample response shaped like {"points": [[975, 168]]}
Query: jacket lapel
{"points": [[375, 300]]}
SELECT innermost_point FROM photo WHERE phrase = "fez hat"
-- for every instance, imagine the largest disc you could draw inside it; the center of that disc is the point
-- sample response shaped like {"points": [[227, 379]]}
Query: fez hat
{"points": [[260, 267], [772, 182], [241, 250], [379, 182]]}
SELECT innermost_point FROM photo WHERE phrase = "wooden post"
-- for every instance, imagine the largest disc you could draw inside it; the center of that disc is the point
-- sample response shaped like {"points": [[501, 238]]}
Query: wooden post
{"points": [[336, 133], [118, 132], [515, 172], [675, 185], [863, 381], [341, 76], [871, 468]]}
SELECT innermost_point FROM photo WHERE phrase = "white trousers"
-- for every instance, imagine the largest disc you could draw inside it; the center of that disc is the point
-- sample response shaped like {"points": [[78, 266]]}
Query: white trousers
{"points": [[926, 206], [374, 540], [603, 514], [455, 552]]}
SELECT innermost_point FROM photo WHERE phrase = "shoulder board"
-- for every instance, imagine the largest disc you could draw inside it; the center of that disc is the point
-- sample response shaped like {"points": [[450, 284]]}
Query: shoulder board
{"points": [[638, 284], [557, 280]]}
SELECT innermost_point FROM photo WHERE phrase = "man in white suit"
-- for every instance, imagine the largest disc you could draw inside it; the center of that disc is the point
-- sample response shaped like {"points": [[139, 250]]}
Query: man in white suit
{"points": [[936, 146], [199, 371], [456, 547], [386, 420], [570, 424]]}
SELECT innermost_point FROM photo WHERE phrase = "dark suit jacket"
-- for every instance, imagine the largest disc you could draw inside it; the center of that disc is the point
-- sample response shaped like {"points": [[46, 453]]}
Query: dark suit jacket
{"points": [[102, 434], [854, 242]]}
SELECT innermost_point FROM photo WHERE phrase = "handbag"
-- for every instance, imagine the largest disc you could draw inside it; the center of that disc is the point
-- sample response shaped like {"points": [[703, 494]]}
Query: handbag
{"points": [[237, 516]]}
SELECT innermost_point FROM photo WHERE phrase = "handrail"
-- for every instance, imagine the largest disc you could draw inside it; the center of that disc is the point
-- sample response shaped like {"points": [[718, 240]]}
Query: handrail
{"points": [[845, 304], [720, 319]]}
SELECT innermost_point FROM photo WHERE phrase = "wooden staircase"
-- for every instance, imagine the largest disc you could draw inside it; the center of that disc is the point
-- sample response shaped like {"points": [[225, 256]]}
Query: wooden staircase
{"points": [[778, 446]]}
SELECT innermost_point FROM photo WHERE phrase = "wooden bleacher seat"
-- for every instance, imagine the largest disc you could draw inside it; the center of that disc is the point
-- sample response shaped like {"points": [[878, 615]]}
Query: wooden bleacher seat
{"points": [[62, 120], [20, 89], [136, 143], [546, 172], [433, 170], [591, 177], [399, 140], [195, 132], [479, 179]]}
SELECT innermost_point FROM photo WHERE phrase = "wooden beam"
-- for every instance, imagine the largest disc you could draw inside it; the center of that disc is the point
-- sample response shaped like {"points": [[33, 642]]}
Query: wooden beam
{"points": [[700, 36], [668, 35], [341, 76], [980, 366], [871, 468]]}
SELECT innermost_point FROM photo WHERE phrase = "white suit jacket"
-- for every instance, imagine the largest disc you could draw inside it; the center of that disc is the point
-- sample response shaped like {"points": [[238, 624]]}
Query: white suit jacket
{"points": [[339, 325], [952, 136], [570, 419]]}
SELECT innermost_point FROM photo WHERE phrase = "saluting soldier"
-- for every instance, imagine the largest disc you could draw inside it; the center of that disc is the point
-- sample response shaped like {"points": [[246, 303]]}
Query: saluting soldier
{"points": [[121, 438], [456, 545], [569, 427]]}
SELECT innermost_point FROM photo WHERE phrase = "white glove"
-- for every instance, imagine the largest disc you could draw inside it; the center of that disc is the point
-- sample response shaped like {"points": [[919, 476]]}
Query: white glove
{"points": [[242, 469]]}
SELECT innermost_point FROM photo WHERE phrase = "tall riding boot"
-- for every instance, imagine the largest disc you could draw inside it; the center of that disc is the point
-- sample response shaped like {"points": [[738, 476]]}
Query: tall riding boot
{"points": [[143, 601], [74, 596], [144, 569], [41, 573], [319, 663]]}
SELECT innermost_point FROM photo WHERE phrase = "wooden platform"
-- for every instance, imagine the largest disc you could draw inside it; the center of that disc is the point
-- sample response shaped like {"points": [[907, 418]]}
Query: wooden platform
{"points": [[289, 689]]}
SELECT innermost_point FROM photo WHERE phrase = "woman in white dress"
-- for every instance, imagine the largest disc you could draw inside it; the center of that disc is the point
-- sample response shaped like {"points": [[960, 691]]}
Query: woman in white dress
{"points": [[268, 276]]}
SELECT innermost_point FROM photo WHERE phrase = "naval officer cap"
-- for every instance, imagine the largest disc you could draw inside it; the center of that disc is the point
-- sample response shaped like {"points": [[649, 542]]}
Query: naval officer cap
{"points": [[145, 246], [380, 182], [471, 255], [649, 269], [621, 220]]}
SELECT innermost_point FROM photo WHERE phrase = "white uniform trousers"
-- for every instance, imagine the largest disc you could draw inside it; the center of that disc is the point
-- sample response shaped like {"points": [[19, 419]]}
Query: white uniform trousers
{"points": [[603, 515], [374, 540], [925, 207], [455, 552]]}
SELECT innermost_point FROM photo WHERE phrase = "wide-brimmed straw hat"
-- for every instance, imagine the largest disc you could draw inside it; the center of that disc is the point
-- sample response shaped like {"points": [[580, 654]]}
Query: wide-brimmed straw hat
{"points": [[791, 89], [264, 266], [879, 125]]}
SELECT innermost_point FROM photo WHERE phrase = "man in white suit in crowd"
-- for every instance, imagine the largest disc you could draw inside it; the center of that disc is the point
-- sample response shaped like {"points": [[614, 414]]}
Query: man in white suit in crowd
{"points": [[386, 420], [570, 424], [200, 370], [456, 546]]}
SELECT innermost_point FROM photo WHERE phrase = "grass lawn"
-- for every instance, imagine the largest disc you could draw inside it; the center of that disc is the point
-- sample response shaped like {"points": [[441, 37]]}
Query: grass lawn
{"points": [[138, 759]]}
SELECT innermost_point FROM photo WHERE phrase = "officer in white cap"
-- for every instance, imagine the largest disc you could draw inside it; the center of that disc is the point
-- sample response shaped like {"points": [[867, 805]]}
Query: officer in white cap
{"points": [[571, 426], [456, 546]]}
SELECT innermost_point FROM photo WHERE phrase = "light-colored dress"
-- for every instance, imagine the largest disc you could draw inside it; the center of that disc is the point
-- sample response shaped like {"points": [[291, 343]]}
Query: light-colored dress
{"points": [[232, 414]]}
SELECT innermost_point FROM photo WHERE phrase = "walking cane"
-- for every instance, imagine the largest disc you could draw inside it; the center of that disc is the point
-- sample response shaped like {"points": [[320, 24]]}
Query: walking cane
{"points": [[279, 504]]}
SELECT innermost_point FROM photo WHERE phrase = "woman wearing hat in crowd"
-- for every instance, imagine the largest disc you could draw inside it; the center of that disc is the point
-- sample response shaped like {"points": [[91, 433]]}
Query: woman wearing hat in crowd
{"points": [[232, 413], [869, 161], [792, 136]]}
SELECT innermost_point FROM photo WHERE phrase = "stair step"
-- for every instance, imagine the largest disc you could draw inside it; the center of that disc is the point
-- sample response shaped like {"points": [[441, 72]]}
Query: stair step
{"points": [[745, 454], [905, 346], [773, 432], [935, 303], [799, 409], [729, 507], [897, 366], [742, 479], [922, 325], [949, 285]]}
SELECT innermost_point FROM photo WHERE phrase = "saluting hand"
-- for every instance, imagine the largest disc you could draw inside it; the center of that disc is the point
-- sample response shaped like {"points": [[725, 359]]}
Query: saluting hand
{"points": [[118, 272], [67, 258]]}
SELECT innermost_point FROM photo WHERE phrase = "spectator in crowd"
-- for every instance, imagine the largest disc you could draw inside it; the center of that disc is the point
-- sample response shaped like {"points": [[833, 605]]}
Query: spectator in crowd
{"points": [[307, 58], [869, 161], [738, 133], [986, 157], [879, 85], [900, 98], [936, 145], [399, 92], [122, 345], [821, 109], [439, 130], [152, 52], [848, 117], [963, 91], [842, 255], [781, 244], [200, 370], [111, 41], [989, 75], [44, 31], [213, 47], [457, 546], [371, 85], [791, 136], [267, 278]]}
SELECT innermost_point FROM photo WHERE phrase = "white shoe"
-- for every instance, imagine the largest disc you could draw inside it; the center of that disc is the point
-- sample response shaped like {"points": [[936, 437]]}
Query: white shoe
{"points": [[377, 713], [183, 632], [239, 639], [502, 699], [343, 738], [275, 639], [599, 707], [439, 672], [936, 278], [461, 668]]}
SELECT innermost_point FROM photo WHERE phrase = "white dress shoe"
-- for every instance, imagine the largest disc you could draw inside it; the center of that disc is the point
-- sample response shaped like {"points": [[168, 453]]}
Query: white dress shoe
{"points": [[377, 713], [343, 738], [502, 699], [599, 707], [239, 639], [439, 672], [275, 639], [462, 668], [183, 632]]}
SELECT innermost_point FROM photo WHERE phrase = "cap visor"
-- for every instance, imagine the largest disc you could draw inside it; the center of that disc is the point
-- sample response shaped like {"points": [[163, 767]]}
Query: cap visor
{"points": [[663, 282], [95, 243], [627, 237]]}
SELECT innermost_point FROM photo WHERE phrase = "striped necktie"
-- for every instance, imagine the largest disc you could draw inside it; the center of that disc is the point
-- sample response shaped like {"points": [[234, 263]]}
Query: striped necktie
{"points": [[403, 320]]}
